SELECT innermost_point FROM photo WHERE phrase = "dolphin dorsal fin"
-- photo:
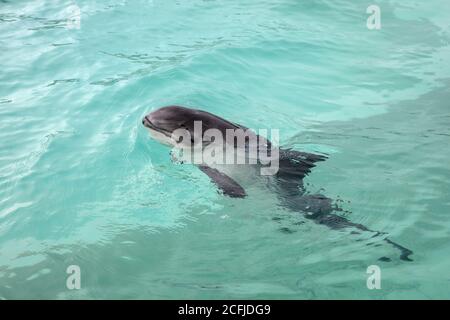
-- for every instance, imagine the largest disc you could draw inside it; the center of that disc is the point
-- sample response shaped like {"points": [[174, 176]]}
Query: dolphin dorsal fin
{"points": [[293, 167]]}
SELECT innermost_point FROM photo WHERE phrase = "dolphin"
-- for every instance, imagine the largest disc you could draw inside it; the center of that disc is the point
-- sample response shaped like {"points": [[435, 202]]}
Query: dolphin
{"points": [[176, 126]]}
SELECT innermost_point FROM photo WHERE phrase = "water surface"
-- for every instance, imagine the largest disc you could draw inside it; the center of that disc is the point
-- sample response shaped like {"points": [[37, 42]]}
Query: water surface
{"points": [[82, 183]]}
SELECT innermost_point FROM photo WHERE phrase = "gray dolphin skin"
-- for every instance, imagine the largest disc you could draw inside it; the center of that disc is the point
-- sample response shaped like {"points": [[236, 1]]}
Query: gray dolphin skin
{"points": [[287, 182]]}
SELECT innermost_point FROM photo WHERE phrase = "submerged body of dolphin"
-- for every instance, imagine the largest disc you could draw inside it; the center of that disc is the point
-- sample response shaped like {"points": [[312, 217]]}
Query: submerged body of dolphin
{"points": [[293, 165]]}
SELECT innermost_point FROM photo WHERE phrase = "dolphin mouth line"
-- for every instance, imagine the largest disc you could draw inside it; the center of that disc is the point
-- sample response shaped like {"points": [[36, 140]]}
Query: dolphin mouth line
{"points": [[148, 124]]}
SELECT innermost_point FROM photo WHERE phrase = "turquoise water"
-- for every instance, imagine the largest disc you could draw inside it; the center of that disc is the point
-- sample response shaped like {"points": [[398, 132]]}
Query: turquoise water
{"points": [[82, 183]]}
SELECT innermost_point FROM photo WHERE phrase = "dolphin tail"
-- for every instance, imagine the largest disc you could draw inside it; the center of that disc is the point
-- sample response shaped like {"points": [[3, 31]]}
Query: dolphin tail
{"points": [[318, 208], [294, 166], [404, 252], [334, 221]]}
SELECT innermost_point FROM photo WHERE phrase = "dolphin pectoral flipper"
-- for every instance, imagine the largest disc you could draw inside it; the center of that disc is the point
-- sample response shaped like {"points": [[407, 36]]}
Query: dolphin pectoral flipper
{"points": [[228, 186]]}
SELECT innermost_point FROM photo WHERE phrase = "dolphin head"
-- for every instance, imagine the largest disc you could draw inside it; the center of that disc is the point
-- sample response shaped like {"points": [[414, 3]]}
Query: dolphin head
{"points": [[206, 134], [165, 121]]}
